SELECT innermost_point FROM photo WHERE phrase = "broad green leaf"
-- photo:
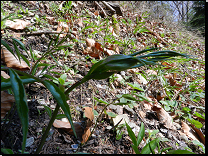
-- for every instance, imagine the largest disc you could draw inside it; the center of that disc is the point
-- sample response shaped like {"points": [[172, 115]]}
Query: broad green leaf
{"points": [[95, 113], [140, 134], [111, 114], [63, 76], [195, 122], [21, 102], [6, 84], [6, 151], [149, 148], [179, 152], [61, 100], [199, 115], [131, 134]]}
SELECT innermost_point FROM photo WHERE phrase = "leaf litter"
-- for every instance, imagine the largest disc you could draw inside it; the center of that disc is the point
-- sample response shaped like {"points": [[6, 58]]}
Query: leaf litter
{"points": [[99, 143]]}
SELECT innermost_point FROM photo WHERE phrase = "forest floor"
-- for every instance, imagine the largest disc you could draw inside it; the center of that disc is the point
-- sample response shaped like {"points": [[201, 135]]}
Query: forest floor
{"points": [[176, 89]]}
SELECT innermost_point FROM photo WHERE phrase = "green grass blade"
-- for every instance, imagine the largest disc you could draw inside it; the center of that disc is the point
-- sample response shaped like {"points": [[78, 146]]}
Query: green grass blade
{"points": [[148, 148], [17, 51], [179, 152], [8, 47], [143, 51], [131, 134], [21, 45], [61, 100], [140, 134], [21, 102]]}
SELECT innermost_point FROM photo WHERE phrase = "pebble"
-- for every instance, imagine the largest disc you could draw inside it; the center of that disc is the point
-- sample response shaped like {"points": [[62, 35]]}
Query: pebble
{"points": [[29, 142]]}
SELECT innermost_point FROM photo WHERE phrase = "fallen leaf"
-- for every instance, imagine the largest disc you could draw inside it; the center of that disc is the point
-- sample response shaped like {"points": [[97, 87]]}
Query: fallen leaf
{"points": [[17, 24], [88, 113], [6, 102], [86, 135], [188, 131], [199, 133], [90, 42], [164, 117], [4, 75], [66, 126], [64, 27], [8, 58]]}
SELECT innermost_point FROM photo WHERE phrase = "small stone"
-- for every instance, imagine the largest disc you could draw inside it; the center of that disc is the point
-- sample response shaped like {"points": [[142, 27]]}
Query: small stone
{"points": [[29, 142]]}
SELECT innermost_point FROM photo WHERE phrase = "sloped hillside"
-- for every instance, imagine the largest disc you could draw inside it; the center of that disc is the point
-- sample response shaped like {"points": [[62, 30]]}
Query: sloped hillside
{"points": [[165, 102]]}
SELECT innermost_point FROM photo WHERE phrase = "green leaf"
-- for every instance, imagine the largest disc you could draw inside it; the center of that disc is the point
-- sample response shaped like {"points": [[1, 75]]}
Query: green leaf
{"points": [[195, 122], [129, 97], [135, 149], [6, 151], [95, 113], [21, 102], [6, 84], [60, 116], [131, 134], [179, 152], [100, 100], [135, 86], [140, 134], [111, 114], [8, 47], [61, 100], [149, 148], [48, 110], [63, 76], [21, 45]]}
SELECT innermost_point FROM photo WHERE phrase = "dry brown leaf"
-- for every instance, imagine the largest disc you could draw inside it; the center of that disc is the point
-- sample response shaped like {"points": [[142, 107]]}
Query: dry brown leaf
{"points": [[6, 103], [90, 42], [164, 117], [86, 135], [89, 113], [64, 27], [188, 131], [80, 23], [199, 133], [66, 126], [17, 24], [93, 48], [51, 20], [12, 62], [4, 75]]}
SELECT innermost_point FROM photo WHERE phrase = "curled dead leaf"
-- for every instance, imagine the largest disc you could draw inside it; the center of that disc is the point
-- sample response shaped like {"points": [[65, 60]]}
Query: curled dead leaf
{"points": [[164, 117], [12, 62]]}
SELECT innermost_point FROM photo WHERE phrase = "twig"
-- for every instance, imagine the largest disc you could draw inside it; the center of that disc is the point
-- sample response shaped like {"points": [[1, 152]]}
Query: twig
{"points": [[42, 32], [101, 9], [108, 6]]}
